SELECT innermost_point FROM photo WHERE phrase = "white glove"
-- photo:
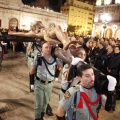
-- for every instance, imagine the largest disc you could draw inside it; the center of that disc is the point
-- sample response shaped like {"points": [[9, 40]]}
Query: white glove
{"points": [[75, 60], [56, 79], [112, 83], [32, 87]]}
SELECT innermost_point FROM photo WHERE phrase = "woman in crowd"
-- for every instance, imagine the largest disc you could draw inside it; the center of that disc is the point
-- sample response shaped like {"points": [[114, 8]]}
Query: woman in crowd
{"points": [[114, 67], [101, 51], [93, 51], [107, 42], [106, 58]]}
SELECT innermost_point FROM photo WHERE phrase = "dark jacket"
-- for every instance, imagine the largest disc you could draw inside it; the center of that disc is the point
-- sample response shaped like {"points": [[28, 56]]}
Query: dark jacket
{"points": [[105, 60], [98, 60], [114, 66], [92, 55]]}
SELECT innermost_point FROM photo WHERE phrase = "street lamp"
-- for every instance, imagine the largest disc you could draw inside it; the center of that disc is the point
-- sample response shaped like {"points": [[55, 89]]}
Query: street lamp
{"points": [[105, 19], [104, 27]]}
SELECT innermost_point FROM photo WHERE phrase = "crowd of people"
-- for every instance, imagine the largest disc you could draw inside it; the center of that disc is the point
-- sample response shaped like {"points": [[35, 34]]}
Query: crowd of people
{"points": [[45, 62]]}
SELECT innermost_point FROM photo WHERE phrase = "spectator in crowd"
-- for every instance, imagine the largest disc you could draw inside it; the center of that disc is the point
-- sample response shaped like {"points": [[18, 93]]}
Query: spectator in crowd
{"points": [[114, 68], [4, 33], [92, 53], [106, 58], [107, 42], [99, 53]]}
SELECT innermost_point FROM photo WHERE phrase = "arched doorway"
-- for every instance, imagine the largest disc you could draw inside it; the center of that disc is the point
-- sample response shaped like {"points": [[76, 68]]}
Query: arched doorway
{"points": [[117, 33], [108, 33], [13, 22], [98, 33]]}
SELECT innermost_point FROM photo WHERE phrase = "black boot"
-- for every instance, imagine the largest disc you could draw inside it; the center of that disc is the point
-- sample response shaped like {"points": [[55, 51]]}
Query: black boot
{"points": [[49, 111], [42, 115]]}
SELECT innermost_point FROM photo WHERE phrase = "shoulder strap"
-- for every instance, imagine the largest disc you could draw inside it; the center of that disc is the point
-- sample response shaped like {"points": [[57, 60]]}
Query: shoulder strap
{"points": [[39, 58], [37, 47], [39, 62], [100, 104], [32, 45], [45, 62], [75, 106]]}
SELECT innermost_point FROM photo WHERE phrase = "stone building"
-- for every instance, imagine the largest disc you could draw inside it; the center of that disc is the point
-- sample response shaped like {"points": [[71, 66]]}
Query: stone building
{"points": [[107, 19], [14, 13]]}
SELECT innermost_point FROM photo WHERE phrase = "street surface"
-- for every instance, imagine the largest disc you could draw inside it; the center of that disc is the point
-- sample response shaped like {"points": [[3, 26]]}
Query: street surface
{"points": [[16, 102]]}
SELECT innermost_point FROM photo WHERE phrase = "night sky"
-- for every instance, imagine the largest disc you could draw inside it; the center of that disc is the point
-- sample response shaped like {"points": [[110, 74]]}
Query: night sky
{"points": [[28, 1], [53, 4], [51, 1]]}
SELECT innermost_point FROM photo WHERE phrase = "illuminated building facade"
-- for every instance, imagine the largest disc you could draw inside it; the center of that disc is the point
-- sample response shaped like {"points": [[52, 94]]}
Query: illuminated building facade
{"points": [[107, 19], [80, 15], [14, 13]]}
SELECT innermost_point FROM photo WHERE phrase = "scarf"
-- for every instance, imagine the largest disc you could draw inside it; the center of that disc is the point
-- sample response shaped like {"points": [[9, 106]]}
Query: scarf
{"points": [[88, 103]]}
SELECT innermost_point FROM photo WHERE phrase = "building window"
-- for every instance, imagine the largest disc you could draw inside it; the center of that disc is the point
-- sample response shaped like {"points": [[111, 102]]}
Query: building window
{"points": [[90, 14], [89, 18], [89, 23]]}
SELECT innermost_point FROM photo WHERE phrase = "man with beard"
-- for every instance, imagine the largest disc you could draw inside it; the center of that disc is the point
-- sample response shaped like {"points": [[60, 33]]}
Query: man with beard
{"points": [[82, 101]]}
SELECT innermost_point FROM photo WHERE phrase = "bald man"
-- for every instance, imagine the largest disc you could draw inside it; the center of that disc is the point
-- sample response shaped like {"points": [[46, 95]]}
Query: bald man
{"points": [[44, 66]]}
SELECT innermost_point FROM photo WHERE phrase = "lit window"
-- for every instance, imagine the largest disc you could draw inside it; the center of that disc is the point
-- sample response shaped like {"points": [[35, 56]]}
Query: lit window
{"points": [[89, 18], [89, 23], [90, 14]]}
